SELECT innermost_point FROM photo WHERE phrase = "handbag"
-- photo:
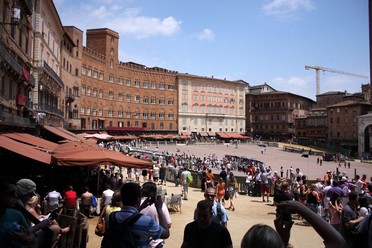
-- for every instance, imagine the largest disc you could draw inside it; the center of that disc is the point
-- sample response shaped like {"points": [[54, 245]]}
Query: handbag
{"points": [[101, 225], [227, 195]]}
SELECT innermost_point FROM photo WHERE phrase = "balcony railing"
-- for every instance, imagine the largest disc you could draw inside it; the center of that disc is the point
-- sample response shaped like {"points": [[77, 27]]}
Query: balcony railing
{"points": [[50, 109], [69, 97], [6, 56], [53, 74], [17, 121]]}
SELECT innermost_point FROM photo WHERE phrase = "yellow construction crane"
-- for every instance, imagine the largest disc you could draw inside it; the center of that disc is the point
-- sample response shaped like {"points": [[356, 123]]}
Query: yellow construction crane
{"points": [[321, 68]]}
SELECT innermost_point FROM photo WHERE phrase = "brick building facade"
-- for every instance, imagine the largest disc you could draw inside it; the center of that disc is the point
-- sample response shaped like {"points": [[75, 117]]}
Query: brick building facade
{"points": [[343, 122], [16, 80], [122, 96], [272, 114], [72, 53]]}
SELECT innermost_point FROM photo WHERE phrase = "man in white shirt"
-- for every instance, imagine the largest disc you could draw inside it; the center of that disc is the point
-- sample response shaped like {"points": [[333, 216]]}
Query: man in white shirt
{"points": [[185, 183], [149, 191], [53, 198], [106, 196], [359, 185]]}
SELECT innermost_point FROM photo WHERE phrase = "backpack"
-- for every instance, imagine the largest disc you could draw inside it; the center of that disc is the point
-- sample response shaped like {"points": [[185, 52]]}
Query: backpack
{"points": [[189, 178], [120, 235], [94, 201], [218, 217]]}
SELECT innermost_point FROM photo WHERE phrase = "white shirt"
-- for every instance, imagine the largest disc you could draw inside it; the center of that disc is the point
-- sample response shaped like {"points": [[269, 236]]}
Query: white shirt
{"points": [[53, 198], [107, 195], [151, 211]]}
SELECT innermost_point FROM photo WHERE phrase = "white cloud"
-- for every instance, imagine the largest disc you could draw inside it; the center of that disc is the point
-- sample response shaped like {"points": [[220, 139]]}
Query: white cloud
{"points": [[100, 12], [206, 34], [295, 85], [143, 26], [286, 8]]}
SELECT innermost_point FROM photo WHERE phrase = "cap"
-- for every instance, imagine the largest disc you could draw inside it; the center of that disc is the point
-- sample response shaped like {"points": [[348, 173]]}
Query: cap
{"points": [[275, 172], [343, 179], [328, 171], [26, 186]]}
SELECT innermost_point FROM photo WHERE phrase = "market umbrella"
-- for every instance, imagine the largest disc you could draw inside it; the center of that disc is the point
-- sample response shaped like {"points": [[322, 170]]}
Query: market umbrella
{"points": [[82, 154]]}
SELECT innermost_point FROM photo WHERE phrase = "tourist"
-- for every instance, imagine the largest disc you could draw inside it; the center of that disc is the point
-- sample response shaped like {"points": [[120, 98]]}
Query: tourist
{"points": [[106, 196], [53, 198], [204, 232], [261, 236], [265, 186], [86, 202], [185, 175], [335, 208], [14, 229], [70, 200], [148, 192], [221, 191], [350, 218], [313, 199], [144, 228], [283, 195], [231, 188]]}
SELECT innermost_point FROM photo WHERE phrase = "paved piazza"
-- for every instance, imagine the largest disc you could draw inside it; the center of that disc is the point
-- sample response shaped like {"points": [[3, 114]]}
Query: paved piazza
{"points": [[249, 210]]}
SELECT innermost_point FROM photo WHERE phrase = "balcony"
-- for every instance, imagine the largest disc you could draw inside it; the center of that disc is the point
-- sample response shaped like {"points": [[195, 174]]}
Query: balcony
{"points": [[50, 109], [12, 62], [9, 59], [69, 97], [16, 120], [53, 75]]}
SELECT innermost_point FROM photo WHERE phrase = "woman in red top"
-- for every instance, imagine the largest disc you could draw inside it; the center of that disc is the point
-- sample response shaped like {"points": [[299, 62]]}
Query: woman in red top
{"points": [[221, 191]]}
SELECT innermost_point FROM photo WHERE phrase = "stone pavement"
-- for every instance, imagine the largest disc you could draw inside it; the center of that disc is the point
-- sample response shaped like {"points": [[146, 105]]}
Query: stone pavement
{"points": [[249, 210]]}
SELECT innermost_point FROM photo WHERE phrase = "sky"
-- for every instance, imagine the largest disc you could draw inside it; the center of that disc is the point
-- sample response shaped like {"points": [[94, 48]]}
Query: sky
{"points": [[257, 41]]}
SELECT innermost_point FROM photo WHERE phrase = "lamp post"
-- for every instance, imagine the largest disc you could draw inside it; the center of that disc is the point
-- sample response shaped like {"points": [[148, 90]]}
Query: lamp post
{"points": [[16, 15]]}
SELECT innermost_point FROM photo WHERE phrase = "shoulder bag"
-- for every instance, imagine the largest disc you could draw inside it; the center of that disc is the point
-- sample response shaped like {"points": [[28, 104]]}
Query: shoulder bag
{"points": [[101, 224]]}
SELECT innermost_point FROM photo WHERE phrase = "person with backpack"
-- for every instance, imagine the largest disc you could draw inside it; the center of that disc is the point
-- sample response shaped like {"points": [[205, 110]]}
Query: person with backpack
{"points": [[219, 214], [186, 179], [128, 227]]}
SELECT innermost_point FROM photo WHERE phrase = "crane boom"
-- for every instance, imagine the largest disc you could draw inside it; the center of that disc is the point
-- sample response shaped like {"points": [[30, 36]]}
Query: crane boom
{"points": [[321, 68]]}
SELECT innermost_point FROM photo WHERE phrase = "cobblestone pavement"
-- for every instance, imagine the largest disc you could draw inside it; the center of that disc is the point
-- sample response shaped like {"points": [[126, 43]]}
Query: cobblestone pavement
{"points": [[249, 210]]}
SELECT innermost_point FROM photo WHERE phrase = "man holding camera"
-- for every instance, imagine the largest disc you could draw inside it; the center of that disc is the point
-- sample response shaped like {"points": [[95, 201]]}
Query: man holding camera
{"points": [[149, 191]]}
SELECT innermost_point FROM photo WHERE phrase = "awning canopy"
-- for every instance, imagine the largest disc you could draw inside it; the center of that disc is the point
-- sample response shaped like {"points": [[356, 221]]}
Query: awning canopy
{"points": [[25, 150], [124, 129], [237, 136], [223, 135], [203, 134], [63, 133], [82, 154], [101, 136], [124, 137], [211, 134], [32, 140]]}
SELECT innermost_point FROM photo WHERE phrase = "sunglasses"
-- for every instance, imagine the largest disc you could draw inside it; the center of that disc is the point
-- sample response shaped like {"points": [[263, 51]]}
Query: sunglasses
{"points": [[212, 196]]}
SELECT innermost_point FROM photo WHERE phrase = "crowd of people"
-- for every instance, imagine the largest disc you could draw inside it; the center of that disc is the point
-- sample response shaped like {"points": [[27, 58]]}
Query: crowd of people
{"points": [[336, 207]]}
